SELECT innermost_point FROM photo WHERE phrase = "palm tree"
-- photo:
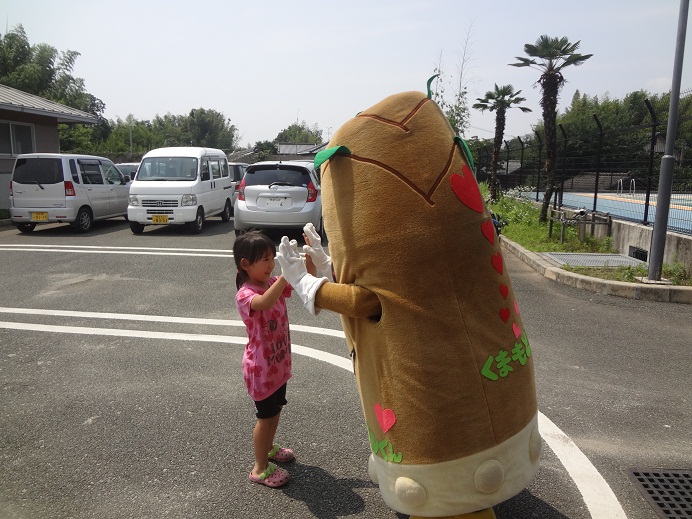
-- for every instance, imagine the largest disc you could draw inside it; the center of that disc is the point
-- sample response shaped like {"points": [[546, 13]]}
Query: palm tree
{"points": [[554, 54], [499, 101]]}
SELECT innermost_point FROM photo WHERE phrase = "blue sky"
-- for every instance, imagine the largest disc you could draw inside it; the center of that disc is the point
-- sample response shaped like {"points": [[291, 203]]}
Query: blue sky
{"points": [[267, 64]]}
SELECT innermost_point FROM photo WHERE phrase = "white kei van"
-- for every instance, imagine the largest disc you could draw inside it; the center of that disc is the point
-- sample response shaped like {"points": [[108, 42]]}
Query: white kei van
{"points": [[182, 185], [59, 187]]}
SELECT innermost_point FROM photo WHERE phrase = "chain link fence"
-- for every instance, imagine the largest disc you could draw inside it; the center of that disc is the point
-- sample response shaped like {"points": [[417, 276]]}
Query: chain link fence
{"points": [[607, 170]]}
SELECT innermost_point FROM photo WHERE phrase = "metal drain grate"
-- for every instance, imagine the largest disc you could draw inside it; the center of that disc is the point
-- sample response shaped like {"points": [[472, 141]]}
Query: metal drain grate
{"points": [[668, 491], [580, 259]]}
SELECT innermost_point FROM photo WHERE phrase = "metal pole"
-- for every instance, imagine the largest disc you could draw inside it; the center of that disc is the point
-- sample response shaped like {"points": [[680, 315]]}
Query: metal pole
{"points": [[564, 158], [665, 182], [650, 168], [521, 161], [598, 163], [540, 151]]}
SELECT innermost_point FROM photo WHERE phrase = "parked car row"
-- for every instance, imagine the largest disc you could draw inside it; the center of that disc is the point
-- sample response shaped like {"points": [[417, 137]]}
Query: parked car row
{"points": [[170, 186]]}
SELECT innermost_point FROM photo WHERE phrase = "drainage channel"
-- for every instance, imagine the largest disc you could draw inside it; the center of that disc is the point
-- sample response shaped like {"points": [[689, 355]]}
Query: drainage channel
{"points": [[668, 491], [582, 259]]}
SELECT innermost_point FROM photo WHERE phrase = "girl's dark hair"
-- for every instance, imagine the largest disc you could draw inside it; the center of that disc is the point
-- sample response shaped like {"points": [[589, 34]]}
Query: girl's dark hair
{"points": [[250, 246]]}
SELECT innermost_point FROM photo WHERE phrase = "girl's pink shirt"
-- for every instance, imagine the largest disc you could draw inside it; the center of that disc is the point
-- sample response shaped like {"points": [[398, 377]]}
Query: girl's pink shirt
{"points": [[267, 358]]}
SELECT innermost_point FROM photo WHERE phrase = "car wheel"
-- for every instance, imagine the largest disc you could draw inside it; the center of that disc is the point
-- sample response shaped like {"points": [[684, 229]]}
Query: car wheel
{"points": [[84, 220], [26, 227], [197, 226], [227, 212], [136, 227]]}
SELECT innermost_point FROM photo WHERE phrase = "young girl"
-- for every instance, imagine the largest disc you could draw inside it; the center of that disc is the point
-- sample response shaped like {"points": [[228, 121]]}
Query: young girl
{"points": [[261, 301]]}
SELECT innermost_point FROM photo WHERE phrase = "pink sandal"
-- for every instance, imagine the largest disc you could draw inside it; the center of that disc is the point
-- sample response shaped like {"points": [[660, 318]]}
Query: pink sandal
{"points": [[281, 454], [272, 477]]}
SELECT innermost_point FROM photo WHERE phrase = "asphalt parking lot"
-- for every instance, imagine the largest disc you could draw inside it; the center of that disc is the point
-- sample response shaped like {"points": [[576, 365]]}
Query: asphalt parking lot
{"points": [[122, 394]]}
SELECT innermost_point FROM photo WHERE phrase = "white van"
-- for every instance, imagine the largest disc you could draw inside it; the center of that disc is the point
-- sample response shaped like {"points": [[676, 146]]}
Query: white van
{"points": [[183, 185], [59, 187]]}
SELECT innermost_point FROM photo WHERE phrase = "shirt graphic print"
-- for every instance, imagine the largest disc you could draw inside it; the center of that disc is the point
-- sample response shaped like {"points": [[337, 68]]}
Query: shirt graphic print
{"points": [[267, 358]]}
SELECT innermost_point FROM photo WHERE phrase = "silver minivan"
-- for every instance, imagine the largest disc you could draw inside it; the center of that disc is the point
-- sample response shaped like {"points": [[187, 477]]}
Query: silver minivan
{"points": [[58, 187]]}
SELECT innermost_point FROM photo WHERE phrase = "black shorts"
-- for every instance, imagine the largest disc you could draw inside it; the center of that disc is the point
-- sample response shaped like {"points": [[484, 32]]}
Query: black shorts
{"points": [[271, 406]]}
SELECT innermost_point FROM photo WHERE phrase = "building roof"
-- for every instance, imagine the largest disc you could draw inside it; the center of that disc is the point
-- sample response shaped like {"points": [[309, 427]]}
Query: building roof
{"points": [[17, 101], [299, 149]]}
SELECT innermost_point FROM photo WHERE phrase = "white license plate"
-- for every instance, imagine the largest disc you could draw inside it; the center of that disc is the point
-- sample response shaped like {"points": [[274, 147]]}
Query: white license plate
{"points": [[276, 202]]}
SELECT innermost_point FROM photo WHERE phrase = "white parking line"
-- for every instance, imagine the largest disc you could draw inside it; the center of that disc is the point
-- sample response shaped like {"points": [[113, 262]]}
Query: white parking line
{"points": [[160, 319], [597, 494], [102, 247], [104, 250]]}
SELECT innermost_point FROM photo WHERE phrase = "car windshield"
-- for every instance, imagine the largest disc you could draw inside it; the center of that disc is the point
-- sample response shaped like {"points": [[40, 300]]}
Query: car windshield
{"points": [[283, 176], [168, 168], [38, 171], [127, 169]]}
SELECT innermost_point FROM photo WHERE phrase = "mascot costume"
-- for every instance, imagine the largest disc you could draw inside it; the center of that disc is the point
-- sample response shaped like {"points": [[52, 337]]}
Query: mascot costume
{"points": [[441, 359]]}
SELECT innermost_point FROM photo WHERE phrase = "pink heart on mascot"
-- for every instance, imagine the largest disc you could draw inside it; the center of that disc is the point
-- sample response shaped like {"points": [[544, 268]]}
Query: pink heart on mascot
{"points": [[467, 190], [385, 417], [496, 260], [488, 231], [516, 329]]}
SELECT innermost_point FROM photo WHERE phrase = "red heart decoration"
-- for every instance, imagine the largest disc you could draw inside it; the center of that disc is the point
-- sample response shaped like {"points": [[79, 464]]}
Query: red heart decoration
{"points": [[504, 290], [504, 314], [516, 329], [496, 260], [385, 417], [467, 190], [488, 230]]}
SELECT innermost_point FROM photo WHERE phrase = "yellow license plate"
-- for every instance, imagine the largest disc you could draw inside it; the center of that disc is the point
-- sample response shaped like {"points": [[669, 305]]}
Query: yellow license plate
{"points": [[159, 218], [39, 217]]}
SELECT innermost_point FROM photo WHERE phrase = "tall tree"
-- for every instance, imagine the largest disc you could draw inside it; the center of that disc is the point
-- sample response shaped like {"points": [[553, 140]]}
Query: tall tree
{"points": [[499, 101], [550, 56], [300, 134]]}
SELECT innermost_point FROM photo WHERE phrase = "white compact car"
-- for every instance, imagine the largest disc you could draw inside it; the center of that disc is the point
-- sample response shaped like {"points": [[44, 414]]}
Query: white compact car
{"points": [[57, 187], [278, 195]]}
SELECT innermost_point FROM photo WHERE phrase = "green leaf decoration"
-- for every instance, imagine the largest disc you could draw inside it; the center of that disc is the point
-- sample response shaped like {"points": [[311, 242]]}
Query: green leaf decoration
{"points": [[465, 150], [324, 155], [430, 83]]}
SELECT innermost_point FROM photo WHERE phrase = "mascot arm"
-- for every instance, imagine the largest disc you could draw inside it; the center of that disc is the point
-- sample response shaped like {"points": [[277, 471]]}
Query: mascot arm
{"points": [[348, 300]]}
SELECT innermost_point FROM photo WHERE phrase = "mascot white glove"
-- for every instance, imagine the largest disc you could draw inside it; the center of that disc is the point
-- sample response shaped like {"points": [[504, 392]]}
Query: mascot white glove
{"points": [[294, 271], [322, 262]]}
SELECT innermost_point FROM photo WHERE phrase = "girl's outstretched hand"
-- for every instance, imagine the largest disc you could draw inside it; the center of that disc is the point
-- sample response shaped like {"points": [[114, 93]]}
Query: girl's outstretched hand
{"points": [[292, 266]]}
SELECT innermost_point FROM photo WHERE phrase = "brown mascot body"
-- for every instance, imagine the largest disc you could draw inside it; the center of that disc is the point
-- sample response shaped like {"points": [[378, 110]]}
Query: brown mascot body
{"points": [[443, 365]]}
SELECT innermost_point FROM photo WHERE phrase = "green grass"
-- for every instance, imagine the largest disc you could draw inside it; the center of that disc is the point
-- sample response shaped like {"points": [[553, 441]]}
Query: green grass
{"points": [[4, 214], [522, 226]]}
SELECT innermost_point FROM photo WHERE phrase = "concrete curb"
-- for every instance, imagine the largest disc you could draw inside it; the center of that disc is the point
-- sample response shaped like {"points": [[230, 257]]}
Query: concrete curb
{"points": [[5, 223], [640, 291]]}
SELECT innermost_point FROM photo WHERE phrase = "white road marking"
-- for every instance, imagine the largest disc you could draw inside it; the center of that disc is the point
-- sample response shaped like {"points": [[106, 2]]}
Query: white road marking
{"points": [[103, 247], [160, 319], [99, 250], [597, 494]]}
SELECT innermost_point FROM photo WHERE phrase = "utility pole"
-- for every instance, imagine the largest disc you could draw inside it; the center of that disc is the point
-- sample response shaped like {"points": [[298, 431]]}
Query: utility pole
{"points": [[665, 182]]}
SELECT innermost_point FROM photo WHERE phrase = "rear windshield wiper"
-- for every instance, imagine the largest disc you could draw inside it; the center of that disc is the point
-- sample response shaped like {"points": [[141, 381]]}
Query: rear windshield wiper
{"points": [[282, 184], [37, 183]]}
